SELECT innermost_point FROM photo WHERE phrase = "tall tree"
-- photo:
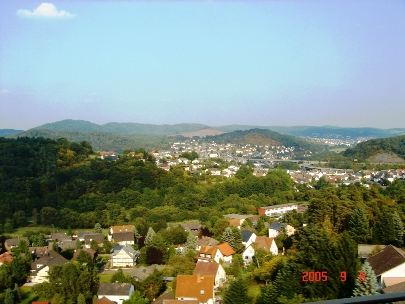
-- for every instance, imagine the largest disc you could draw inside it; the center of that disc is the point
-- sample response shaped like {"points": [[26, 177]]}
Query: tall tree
{"points": [[149, 236], [97, 228], [228, 237], [359, 228], [366, 282], [237, 293], [9, 297]]}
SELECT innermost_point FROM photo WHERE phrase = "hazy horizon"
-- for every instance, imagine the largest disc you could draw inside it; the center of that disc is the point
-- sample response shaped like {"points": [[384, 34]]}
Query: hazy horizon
{"points": [[259, 63]]}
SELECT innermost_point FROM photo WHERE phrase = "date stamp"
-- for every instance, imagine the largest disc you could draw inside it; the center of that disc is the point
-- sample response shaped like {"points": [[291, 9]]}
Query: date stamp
{"points": [[322, 276]]}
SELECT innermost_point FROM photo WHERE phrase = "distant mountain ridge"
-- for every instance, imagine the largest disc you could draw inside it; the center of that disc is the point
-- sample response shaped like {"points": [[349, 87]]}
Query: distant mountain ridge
{"points": [[181, 129], [120, 128], [9, 132]]}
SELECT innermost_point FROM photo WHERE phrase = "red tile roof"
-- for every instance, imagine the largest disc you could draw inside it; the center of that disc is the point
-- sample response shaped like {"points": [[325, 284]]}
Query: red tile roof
{"points": [[104, 300], [204, 268], [226, 249], [195, 286]]}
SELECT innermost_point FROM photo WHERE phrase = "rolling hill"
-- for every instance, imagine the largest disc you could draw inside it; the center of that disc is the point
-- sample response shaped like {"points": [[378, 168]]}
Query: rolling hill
{"points": [[383, 150]]}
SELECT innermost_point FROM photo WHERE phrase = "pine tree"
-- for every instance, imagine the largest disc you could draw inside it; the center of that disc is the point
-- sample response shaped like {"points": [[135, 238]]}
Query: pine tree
{"points": [[228, 237], [191, 243], [149, 236], [136, 233], [81, 299], [9, 297], [237, 237], [97, 228], [17, 293], [237, 293], [366, 282], [359, 228]]}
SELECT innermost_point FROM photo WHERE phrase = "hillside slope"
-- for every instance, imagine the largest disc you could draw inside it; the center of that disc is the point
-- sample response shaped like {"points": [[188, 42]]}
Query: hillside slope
{"points": [[368, 150]]}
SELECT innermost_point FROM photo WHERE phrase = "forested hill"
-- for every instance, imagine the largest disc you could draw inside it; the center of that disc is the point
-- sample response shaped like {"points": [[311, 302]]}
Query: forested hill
{"points": [[70, 125], [102, 141], [263, 137], [371, 148]]}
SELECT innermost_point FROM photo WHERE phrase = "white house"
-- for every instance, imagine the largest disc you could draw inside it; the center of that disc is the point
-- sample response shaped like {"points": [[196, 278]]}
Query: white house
{"points": [[116, 292], [388, 264], [248, 237], [209, 254], [276, 228], [40, 268], [124, 256], [277, 209], [263, 242], [214, 269]]}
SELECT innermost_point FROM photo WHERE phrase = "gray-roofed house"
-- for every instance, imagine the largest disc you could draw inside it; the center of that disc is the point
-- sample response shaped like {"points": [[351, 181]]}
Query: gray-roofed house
{"points": [[388, 263], [248, 237], [60, 237], [11, 243], [116, 292], [276, 228], [124, 256], [41, 267], [98, 237]]}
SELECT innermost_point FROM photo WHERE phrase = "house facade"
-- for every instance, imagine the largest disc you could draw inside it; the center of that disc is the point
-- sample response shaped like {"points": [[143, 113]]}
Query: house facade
{"points": [[116, 292], [124, 256], [263, 242], [214, 269]]}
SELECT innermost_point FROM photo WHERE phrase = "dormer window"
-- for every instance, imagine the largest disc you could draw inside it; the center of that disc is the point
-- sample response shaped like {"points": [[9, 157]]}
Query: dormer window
{"points": [[202, 291]]}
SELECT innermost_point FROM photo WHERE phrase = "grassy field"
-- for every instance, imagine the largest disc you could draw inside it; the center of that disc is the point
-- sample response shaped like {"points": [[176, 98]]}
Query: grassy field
{"points": [[22, 230], [105, 278]]}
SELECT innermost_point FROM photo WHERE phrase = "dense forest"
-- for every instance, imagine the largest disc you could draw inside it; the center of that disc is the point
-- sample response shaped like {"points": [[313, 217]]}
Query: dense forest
{"points": [[56, 182], [370, 148], [103, 141]]}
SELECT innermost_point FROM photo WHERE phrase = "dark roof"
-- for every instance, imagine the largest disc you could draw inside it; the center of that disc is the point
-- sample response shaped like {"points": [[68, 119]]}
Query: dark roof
{"points": [[124, 237], [98, 237], [277, 226], [386, 259], [15, 242], [112, 289], [246, 234], [48, 259], [60, 237]]}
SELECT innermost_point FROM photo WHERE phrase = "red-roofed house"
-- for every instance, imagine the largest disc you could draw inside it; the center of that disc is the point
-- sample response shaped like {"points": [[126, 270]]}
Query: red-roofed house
{"points": [[214, 269], [226, 251], [195, 287], [6, 258]]}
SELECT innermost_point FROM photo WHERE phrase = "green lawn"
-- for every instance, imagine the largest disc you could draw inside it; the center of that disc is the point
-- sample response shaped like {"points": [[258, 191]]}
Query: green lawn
{"points": [[105, 278], [22, 230]]}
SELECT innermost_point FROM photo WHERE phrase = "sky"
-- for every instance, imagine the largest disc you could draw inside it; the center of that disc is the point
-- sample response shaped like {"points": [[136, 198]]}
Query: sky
{"points": [[270, 63]]}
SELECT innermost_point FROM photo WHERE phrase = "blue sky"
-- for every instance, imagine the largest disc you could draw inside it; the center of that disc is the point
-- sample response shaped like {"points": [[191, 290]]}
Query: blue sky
{"points": [[213, 62]]}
